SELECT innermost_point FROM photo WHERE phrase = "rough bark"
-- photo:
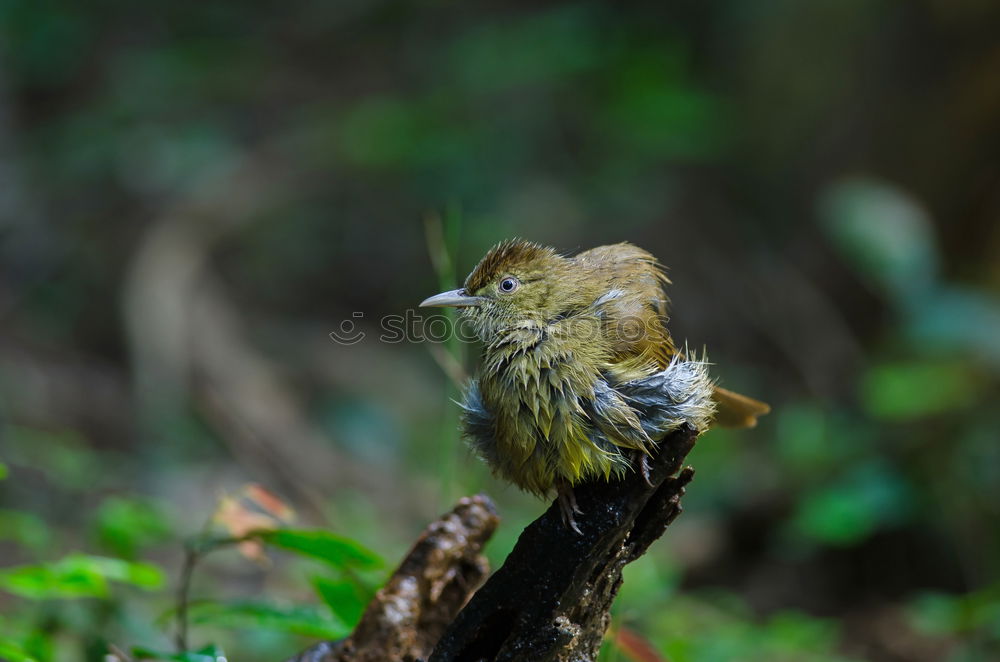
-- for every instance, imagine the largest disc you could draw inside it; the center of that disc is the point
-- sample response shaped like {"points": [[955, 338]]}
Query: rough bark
{"points": [[551, 598], [407, 616], [549, 601]]}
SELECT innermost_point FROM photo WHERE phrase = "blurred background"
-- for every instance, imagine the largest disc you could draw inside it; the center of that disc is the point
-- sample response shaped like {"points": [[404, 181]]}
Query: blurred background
{"points": [[193, 196]]}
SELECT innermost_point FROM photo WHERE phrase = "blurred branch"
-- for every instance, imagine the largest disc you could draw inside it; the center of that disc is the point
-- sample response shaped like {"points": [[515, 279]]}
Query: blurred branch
{"points": [[434, 581], [169, 265], [256, 412], [116, 654], [183, 595], [195, 550], [188, 344], [550, 600]]}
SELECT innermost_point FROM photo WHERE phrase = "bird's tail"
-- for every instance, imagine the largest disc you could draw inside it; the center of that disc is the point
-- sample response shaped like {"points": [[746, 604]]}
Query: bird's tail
{"points": [[734, 410]]}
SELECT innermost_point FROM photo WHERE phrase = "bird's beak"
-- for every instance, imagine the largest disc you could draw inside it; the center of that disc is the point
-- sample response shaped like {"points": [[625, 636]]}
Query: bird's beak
{"points": [[452, 299]]}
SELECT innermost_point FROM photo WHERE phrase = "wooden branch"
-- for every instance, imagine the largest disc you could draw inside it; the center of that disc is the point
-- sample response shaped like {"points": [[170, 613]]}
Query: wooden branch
{"points": [[549, 601], [407, 616], [551, 598]]}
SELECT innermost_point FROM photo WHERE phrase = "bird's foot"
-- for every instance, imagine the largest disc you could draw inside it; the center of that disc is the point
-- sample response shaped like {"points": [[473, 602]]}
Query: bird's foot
{"points": [[568, 507], [641, 458]]}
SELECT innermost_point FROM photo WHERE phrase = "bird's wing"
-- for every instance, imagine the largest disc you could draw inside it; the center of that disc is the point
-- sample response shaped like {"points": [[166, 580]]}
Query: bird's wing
{"points": [[631, 269], [634, 309], [632, 305]]}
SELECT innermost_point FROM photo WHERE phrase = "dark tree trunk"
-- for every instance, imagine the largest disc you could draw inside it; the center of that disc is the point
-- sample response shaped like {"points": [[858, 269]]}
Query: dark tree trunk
{"points": [[551, 598]]}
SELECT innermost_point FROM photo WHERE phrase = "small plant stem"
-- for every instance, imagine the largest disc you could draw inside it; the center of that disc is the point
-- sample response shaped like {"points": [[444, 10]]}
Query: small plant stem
{"points": [[183, 593]]}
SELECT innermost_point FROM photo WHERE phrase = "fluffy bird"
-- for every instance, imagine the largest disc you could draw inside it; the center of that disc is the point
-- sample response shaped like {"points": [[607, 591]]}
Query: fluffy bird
{"points": [[575, 380]]}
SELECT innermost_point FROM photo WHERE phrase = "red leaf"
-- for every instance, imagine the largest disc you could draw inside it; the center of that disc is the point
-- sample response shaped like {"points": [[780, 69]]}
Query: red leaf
{"points": [[268, 502], [636, 647]]}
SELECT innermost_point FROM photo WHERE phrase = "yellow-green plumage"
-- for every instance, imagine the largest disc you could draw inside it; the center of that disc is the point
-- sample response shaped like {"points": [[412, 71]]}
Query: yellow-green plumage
{"points": [[572, 377]]}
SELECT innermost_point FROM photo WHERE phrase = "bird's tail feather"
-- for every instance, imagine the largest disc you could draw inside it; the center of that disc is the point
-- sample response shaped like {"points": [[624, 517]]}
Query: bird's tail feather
{"points": [[734, 410]]}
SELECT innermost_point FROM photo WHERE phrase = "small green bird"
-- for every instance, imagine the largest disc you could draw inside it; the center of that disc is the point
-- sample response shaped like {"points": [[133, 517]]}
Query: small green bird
{"points": [[575, 379]]}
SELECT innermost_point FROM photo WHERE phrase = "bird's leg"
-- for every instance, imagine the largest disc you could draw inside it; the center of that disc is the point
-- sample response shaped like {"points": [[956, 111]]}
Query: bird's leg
{"points": [[641, 458], [567, 506]]}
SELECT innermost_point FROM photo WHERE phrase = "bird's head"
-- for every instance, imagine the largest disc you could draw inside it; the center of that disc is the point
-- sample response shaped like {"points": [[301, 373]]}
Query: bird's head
{"points": [[516, 283]]}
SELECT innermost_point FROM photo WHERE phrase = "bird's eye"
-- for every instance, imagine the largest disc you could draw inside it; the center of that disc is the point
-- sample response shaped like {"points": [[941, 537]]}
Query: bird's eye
{"points": [[508, 285]]}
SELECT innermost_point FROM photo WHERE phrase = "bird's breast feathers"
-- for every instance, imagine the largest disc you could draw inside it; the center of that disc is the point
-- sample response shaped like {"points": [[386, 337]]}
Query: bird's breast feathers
{"points": [[548, 408]]}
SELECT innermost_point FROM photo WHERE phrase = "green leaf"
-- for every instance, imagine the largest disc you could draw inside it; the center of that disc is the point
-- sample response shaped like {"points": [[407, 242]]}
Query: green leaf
{"points": [[330, 548], [40, 582], [913, 389], [792, 631], [140, 574], [10, 651], [849, 509], [25, 529], [346, 598], [886, 235], [127, 525], [77, 576], [210, 653], [834, 516], [310, 621]]}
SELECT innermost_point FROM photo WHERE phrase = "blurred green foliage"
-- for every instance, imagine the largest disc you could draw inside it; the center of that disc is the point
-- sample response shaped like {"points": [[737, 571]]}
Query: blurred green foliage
{"points": [[308, 620], [850, 508], [820, 178], [335, 550], [125, 526], [77, 576], [204, 654], [715, 625]]}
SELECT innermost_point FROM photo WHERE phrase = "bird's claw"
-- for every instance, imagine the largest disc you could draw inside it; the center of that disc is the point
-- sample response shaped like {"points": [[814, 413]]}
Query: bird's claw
{"points": [[568, 508], [644, 468]]}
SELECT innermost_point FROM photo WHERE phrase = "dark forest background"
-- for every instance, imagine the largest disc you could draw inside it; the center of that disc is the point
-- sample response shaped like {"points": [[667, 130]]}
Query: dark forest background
{"points": [[193, 196]]}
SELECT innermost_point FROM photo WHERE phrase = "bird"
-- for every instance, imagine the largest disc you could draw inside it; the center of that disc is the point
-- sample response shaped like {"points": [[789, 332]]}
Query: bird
{"points": [[573, 383]]}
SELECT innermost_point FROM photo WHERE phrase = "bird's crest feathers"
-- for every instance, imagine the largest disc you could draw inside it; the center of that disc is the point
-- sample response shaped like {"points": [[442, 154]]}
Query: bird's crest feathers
{"points": [[505, 257]]}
